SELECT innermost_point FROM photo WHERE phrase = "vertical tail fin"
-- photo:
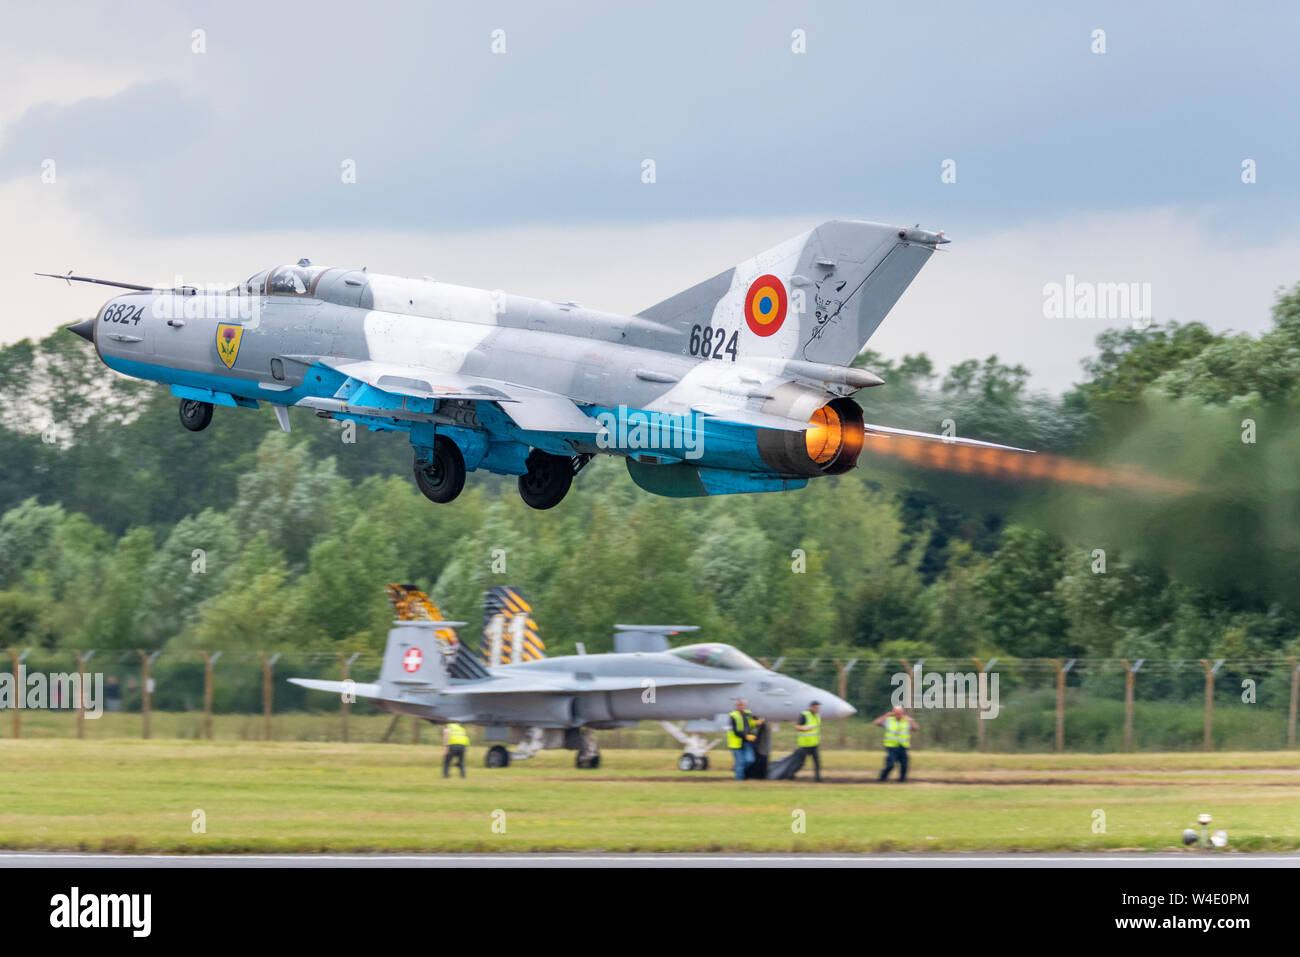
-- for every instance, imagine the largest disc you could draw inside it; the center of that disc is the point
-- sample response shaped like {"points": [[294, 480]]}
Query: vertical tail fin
{"points": [[413, 660], [817, 297], [411, 604], [509, 633]]}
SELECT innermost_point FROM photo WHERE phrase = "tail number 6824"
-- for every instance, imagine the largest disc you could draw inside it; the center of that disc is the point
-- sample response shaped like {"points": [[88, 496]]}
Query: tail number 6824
{"points": [[713, 343]]}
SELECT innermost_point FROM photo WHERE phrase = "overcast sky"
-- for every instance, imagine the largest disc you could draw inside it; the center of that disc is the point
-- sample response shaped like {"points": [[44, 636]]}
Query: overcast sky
{"points": [[522, 170]]}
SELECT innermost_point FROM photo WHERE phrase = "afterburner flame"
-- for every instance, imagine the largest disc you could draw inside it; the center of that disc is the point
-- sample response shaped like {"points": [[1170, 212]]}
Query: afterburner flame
{"points": [[1014, 466], [824, 436]]}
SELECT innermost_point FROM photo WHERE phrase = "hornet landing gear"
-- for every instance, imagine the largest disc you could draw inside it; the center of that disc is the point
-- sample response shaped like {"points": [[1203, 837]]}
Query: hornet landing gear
{"points": [[695, 748], [588, 755], [497, 757], [547, 480], [441, 477], [195, 415]]}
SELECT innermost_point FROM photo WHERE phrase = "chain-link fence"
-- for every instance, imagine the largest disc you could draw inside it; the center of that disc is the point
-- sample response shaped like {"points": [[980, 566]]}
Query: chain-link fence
{"points": [[1006, 705]]}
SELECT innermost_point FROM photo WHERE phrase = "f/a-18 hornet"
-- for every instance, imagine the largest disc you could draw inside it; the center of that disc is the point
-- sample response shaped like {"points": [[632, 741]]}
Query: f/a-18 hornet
{"points": [[742, 383], [530, 701]]}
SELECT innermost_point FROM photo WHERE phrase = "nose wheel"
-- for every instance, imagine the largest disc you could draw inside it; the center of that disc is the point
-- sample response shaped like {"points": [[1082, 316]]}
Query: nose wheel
{"points": [[441, 475], [547, 480], [195, 415]]}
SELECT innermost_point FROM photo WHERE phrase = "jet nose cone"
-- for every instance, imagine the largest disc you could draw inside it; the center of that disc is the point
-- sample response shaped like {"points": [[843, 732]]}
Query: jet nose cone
{"points": [[85, 328], [837, 708]]}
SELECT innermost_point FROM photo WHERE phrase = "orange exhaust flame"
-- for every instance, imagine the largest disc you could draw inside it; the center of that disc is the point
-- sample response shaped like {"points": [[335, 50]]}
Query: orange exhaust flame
{"points": [[1014, 466]]}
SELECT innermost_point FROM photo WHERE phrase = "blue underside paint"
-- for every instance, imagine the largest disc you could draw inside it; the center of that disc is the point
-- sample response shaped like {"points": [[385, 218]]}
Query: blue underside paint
{"points": [[716, 457]]}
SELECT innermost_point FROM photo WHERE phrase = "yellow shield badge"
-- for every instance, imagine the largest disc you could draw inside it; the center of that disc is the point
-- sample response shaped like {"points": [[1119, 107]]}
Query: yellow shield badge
{"points": [[229, 335]]}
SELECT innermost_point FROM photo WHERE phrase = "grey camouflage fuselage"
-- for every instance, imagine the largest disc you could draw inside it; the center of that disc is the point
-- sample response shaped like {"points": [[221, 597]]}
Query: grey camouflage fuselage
{"points": [[740, 383]]}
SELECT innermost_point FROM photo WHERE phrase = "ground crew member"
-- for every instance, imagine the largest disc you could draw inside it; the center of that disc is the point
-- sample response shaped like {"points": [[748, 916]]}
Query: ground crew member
{"points": [[456, 738], [810, 736], [741, 733], [898, 727]]}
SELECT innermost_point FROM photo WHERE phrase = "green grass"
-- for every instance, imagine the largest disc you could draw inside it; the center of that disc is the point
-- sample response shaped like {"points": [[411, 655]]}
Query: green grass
{"points": [[133, 795]]}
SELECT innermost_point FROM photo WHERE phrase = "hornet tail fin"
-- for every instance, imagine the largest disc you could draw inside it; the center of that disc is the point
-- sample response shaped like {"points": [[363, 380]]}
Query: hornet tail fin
{"points": [[509, 632], [413, 660], [817, 297]]}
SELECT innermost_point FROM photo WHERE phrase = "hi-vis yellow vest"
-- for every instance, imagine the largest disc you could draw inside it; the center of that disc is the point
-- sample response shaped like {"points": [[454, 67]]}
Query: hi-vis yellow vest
{"points": [[898, 732], [734, 740], [457, 734], [809, 739]]}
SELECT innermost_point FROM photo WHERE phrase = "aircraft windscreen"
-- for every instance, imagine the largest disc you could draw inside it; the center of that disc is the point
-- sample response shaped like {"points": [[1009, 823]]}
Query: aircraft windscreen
{"points": [[717, 656]]}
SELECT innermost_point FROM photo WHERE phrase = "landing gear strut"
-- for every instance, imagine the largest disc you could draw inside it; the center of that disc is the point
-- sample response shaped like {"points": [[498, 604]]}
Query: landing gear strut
{"points": [[695, 748], [195, 415], [441, 478], [547, 480], [588, 755]]}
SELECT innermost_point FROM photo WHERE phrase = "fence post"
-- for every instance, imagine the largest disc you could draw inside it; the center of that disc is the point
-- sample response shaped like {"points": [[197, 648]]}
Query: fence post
{"points": [[268, 689], [1210, 672], [844, 696], [1295, 699], [1130, 674], [209, 659], [345, 700], [1061, 671], [979, 721], [81, 691], [19, 686], [146, 687]]}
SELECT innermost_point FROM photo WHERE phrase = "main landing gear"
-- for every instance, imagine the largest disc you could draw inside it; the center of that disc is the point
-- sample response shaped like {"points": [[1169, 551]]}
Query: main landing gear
{"points": [[547, 480], [441, 478], [195, 415], [588, 755], [440, 473]]}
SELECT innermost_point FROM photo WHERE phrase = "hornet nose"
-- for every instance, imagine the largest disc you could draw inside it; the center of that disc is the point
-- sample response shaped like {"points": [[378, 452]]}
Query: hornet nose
{"points": [[85, 328], [835, 708]]}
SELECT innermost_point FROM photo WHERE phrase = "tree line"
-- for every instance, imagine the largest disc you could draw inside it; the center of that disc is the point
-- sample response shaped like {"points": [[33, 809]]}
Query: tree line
{"points": [[122, 530]]}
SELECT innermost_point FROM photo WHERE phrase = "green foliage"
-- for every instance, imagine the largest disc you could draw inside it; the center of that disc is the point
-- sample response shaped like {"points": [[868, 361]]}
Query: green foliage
{"points": [[119, 530]]}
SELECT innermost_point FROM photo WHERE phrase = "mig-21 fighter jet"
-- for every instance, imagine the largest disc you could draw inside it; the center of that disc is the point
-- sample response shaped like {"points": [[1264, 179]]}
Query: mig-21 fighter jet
{"points": [[742, 383]]}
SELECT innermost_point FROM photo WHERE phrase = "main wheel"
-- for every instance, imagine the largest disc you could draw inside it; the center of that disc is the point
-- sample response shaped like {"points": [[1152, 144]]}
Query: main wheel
{"points": [[686, 763], [444, 476], [547, 480], [497, 757], [195, 415]]}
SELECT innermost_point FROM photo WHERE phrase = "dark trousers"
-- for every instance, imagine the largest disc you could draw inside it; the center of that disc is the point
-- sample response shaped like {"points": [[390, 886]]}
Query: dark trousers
{"points": [[454, 752], [894, 756], [815, 754]]}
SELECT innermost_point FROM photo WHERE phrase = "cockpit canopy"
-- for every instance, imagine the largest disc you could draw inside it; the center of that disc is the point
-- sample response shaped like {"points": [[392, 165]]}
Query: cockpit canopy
{"points": [[297, 280], [716, 655]]}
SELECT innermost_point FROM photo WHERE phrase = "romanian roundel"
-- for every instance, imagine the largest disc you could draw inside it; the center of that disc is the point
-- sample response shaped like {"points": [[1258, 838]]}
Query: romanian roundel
{"points": [[765, 305]]}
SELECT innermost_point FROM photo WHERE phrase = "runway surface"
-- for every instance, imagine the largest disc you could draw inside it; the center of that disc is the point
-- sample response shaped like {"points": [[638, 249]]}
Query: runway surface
{"points": [[597, 859]]}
